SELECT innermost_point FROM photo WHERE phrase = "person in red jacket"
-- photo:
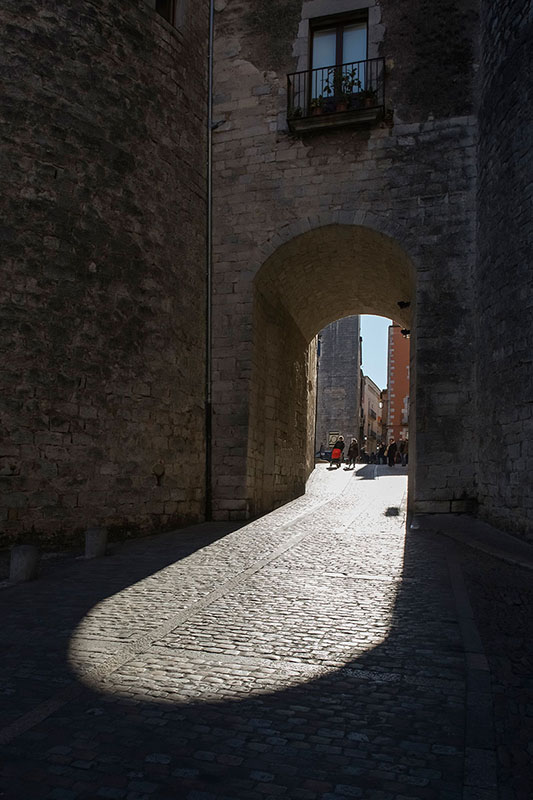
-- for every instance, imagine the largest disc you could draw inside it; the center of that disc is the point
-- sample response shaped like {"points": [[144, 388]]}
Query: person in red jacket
{"points": [[336, 453]]}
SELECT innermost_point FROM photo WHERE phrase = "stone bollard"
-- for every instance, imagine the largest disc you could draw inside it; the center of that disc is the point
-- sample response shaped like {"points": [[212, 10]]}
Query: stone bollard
{"points": [[95, 542], [24, 564]]}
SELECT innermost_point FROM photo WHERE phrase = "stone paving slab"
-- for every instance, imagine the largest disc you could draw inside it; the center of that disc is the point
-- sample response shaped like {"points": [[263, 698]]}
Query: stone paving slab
{"points": [[315, 653]]}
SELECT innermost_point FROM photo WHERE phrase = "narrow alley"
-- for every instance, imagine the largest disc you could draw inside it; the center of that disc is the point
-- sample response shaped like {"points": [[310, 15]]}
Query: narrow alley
{"points": [[318, 653]]}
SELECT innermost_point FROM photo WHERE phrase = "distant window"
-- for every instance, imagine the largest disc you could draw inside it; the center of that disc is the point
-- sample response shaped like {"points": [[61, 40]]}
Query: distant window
{"points": [[335, 42], [167, 9], [340, 43]]}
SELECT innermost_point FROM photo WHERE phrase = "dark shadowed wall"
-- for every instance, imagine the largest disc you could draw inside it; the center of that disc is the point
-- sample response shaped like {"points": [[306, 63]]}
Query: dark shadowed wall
{"points": [[505, 269], [102, 382]]}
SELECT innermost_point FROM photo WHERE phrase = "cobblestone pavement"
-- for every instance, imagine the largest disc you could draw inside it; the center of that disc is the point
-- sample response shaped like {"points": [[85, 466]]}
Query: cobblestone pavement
{"points": [[503, 605], [318, 653]]}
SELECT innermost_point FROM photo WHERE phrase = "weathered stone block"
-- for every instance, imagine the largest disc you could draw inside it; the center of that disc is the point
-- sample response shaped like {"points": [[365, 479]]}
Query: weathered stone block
{"points": [[24, 563], [95, 542], [431, 506]]}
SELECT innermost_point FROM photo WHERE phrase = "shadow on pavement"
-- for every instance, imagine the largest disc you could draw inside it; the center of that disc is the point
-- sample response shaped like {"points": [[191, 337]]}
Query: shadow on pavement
{"points": [[371, 472], [380, 717]]}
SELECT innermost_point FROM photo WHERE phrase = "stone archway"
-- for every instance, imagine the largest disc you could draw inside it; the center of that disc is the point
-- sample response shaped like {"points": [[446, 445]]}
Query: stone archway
{"points": [[267, 313], [315, 278]]}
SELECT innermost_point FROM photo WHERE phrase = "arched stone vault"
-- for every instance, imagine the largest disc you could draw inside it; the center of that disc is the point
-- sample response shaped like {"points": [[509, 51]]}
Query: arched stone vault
{"points": [[337, 270], [313, 279]]}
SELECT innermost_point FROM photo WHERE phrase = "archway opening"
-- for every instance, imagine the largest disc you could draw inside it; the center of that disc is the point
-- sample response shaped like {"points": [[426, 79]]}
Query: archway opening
{"points": [[320, 276], [363, 393]]}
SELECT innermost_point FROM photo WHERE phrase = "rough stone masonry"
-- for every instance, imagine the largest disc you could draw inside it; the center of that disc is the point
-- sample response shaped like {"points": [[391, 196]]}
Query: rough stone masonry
{"points": [[103, 251], [458, 90], [342, 222]]}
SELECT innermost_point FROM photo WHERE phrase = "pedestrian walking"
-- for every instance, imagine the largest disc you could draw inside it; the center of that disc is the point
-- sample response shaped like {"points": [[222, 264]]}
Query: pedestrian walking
{"points": [[401, 448], [381, 453], [353, 454], [336, 453], [392, 449]]}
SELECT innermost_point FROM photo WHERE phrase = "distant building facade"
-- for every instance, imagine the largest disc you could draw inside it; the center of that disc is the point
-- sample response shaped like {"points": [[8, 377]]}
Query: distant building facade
{"points": [[338, 383], [384, 414], [370, 414], [398, 384]]}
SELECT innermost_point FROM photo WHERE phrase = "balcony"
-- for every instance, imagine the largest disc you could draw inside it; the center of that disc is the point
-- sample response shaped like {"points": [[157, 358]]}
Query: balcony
{"points": [[332, 97]]}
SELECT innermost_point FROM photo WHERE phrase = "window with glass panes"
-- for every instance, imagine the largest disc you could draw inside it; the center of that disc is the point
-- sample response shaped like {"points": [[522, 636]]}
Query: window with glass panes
{"points": [[337, 42]]}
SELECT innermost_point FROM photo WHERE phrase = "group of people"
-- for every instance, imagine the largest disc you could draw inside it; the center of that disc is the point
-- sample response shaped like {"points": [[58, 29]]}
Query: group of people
{"points": [[396, 452]]}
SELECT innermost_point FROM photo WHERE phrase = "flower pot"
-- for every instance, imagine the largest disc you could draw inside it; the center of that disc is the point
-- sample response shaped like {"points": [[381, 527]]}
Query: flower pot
{"points": [[315, 112], [342, 106]]}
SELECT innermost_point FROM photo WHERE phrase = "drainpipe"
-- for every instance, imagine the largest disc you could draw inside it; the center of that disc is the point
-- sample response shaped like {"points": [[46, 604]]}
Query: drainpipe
{"points": [[209, 271]]}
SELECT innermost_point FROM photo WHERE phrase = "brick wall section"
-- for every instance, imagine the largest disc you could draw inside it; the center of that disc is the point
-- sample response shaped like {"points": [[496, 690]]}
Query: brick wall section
{"points": [[504, 274], [406, 191], [103, 280], [339, 381]]}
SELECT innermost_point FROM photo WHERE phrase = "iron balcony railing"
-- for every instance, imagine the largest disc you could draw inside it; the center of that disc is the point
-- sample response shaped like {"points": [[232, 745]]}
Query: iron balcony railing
{"points": [[339, 89]]}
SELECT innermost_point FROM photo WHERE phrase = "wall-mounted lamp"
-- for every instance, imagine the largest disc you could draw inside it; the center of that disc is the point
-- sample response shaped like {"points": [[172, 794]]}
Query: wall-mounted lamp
{"points": [[406, 332]]}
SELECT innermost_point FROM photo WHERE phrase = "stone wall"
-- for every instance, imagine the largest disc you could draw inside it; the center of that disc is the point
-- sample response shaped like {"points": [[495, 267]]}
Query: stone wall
{"points": [[103, 248], [339, 381], [307, 218], [103, 202], [431, 47], [504, 270], [283, 393]]}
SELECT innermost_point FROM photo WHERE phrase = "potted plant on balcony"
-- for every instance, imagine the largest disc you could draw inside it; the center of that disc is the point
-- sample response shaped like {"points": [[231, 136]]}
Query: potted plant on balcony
{"points": [[348, 83], [369, 98], [317, 105], [337, 89], [329, 90], [340, 87]]}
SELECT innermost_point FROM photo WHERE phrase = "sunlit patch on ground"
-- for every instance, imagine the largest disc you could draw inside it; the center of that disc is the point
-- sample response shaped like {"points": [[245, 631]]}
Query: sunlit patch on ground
{"points": [[293, 596]]}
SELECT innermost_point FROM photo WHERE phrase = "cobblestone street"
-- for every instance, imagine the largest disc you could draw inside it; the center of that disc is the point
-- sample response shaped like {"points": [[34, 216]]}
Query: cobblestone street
{"points": [[319, 653]]}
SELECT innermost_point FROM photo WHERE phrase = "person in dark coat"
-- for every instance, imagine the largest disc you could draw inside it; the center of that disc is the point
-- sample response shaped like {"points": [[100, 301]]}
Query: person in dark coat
{"points": [[391, 452], [353, 452]]}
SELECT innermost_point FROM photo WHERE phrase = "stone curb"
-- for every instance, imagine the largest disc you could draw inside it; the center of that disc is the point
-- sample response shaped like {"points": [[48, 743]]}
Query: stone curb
{"points": [[478, 535]]}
